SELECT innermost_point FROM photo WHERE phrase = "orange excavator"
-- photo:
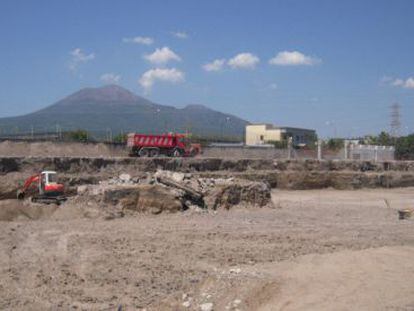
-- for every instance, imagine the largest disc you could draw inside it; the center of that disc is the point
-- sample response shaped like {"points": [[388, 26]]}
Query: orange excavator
{"points": [[47, 189]]}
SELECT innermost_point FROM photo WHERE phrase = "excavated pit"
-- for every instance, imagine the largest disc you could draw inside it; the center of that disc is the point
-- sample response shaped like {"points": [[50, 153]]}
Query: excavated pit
{"points": [[255, 178]]}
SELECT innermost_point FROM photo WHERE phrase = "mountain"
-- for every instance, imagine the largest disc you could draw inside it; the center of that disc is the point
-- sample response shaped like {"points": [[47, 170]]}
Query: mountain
{"points": [[114, 108]]}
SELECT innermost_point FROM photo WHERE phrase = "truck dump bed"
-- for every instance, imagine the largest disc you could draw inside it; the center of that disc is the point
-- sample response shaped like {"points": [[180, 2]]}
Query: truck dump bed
{"points": [[160, 141]]}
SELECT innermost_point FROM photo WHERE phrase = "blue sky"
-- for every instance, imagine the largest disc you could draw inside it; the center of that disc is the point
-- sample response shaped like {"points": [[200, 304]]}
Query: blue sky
{"points": [[335, 66]]}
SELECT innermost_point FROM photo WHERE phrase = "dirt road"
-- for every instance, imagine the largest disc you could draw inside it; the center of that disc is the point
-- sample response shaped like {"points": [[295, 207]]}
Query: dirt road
{"points": [[318, 250]]}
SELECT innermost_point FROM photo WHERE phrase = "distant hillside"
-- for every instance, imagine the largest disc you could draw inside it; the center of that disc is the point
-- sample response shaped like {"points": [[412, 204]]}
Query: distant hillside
{"points": [[113, 107]]}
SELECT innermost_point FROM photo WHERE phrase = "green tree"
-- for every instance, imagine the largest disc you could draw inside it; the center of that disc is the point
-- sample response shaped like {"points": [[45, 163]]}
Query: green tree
{"points": [[404, 148], [78, 135], [334, 143], [384, 139], [120, 138]]}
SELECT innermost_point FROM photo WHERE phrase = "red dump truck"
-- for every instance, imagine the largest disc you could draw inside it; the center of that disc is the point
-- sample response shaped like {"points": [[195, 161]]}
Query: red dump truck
{"points": [[171, 145]]}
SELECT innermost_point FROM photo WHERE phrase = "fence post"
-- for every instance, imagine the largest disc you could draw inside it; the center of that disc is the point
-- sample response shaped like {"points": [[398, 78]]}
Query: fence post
{"points": [[289, 148], [345, 150], [319, 143], [351, 151]]}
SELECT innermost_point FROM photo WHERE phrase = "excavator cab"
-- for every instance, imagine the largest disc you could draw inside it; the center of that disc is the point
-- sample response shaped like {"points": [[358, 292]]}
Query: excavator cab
{"points": [[48, 185]]}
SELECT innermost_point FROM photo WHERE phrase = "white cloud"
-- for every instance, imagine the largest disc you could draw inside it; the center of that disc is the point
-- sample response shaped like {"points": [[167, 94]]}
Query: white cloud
{"points": [[293, 58], [215, 65], [162, 56], [398, 82], [273, 86], [139, 40], [78, 56], [407, 84], [151, 76], [386, 79], [180, 34], [110, 78], [244, 61]]}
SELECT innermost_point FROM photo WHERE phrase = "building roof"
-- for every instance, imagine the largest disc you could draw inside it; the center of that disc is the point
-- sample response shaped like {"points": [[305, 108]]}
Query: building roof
{"points": [[274, 127], [295, 128], [268, 126]]}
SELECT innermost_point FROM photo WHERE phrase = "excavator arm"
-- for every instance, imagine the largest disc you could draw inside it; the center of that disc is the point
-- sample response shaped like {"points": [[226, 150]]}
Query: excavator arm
{"points": [[27, 184]]}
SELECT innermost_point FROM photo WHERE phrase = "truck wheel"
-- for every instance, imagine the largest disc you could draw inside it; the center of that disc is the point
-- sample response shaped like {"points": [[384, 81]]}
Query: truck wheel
{"points": [[193, 152], [154, 152], [133, 152], [177, 153], [143, 152]]}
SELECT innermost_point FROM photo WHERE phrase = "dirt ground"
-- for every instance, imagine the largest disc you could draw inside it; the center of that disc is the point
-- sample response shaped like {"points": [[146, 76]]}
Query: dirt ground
{"points": [[56, 149], [316, 250]]}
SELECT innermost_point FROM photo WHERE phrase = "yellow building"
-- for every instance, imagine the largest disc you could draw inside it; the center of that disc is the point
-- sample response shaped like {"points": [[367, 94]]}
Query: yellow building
{"points": [[260, 134]]}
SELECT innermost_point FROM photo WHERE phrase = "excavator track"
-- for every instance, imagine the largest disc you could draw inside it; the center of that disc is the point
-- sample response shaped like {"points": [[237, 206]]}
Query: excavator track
{"points": [[49, 200]]}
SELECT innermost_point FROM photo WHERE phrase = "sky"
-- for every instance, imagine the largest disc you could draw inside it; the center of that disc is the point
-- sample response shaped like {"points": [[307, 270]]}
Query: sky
{"points": [[335, 66]]}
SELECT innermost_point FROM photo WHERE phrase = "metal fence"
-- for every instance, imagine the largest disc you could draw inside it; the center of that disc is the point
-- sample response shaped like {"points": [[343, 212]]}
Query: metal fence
{"points": [[351, 152], [371, 153]]}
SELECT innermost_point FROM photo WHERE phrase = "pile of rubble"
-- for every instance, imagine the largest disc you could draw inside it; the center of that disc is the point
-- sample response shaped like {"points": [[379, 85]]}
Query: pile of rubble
{"points": [[167, 191]]}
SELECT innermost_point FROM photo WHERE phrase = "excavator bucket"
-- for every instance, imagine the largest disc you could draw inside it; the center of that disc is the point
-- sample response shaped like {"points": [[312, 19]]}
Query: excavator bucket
{"points": [[20, 195]]}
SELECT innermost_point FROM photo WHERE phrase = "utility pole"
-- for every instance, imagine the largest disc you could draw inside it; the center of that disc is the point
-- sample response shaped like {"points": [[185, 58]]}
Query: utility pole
{"points": [[346, 143], [319, 143], [290, 141], [58, 131], [395, 120]]}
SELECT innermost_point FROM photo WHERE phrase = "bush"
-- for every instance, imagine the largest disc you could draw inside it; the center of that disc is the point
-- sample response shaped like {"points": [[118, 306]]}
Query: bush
{"points": [[78, 135], [383, 139], [334, 144], [120, 138], [404, 148]]}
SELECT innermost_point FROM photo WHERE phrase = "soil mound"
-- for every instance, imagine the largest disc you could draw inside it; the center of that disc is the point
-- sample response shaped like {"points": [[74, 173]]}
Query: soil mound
{"points": [[16, 210], [11, 210]]}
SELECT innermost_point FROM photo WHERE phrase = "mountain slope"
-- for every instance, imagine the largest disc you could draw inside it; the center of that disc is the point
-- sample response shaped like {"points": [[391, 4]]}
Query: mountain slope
{"points": [[113, 107]]}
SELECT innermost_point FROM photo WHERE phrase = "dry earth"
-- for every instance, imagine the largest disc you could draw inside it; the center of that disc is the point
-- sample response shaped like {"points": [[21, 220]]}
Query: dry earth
{"points": [[58, 149], [318, 250]]}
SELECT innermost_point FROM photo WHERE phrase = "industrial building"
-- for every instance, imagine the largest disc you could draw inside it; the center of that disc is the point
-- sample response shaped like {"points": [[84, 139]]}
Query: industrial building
{"points": [[261, 134]]}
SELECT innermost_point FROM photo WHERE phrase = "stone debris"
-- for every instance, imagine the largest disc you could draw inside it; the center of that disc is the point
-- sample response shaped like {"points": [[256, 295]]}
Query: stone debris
{"points": [[235, 270], [208, 306], [233, 305], [166, 191], [236, 302], [176, 176], [125, 178]]}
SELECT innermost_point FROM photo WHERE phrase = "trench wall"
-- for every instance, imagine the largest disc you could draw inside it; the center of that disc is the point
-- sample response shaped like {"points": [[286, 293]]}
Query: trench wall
{"points": [[113, 164], [284, 174]]}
